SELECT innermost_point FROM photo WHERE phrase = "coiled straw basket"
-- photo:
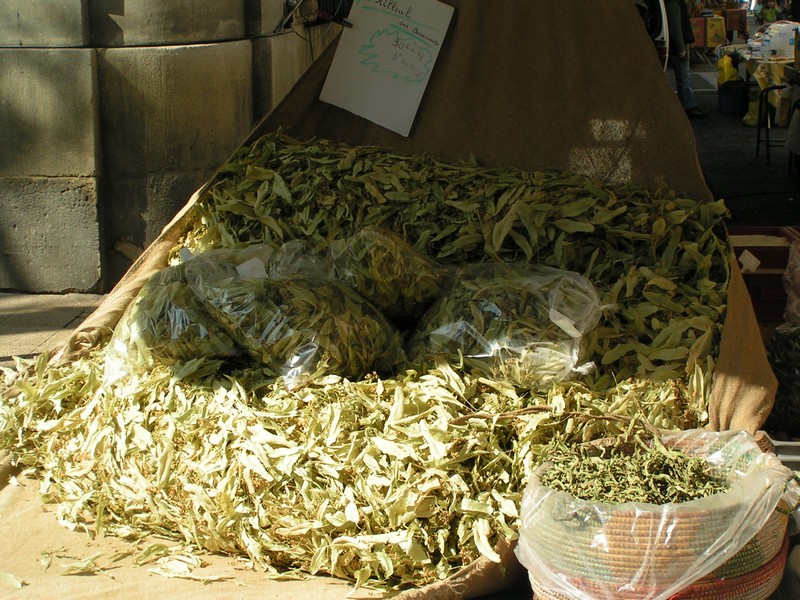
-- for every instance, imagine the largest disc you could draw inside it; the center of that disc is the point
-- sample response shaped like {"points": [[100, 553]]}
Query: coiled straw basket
{"points": [[748, 575], [632, 552]]}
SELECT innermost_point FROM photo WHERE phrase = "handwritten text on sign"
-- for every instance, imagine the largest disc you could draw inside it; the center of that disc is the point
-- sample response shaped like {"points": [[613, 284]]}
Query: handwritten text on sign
{"points": [[383, 63]]}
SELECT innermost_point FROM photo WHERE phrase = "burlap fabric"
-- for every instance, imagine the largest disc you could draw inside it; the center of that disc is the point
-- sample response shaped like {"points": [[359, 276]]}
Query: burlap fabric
{"points": [[516, 84]]}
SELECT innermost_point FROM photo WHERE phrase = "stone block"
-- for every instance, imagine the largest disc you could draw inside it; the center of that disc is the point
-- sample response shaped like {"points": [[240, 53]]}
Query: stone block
{"points": [[116, 23], [146, 203], [172, 115], [279, 60], [173, 108], [49, 234], [48, 112], [263, 16], [45, 23]]}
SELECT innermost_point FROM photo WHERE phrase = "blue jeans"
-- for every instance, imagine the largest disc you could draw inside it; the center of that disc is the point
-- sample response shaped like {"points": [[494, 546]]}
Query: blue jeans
{"points": [[683, 81]]}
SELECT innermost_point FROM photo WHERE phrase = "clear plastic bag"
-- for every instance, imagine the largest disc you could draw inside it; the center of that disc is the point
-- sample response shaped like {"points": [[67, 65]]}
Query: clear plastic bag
{"points": [[165, 324], [592, 550], [521, 323], [295, 321], [296, 257], [388, 272]]}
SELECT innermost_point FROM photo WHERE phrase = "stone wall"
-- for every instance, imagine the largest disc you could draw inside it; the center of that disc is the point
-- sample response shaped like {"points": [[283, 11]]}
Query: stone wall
{"points": [[113, 113]]}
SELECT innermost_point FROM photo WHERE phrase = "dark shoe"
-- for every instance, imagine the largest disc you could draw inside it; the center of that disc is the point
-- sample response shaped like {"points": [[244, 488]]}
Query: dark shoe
{"points": [[696, 113]]}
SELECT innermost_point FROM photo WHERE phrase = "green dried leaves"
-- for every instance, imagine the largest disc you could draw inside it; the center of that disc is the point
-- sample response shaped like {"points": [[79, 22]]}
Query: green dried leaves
{"points": [[459, 214], [168, 322], [390, 482], [390, 273], [9, 580], [385, 482], [632, 472], [301, 326], [519, 323], [299, 323]]}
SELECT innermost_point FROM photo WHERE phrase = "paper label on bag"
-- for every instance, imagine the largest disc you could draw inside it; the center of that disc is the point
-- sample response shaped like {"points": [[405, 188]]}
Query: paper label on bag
{"points": [[384, 61], [252, 268]]}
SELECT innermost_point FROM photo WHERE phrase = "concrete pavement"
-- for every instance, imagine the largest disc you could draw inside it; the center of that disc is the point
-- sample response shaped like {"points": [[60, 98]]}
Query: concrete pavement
{"points": [[33, 323], [757, 192]]}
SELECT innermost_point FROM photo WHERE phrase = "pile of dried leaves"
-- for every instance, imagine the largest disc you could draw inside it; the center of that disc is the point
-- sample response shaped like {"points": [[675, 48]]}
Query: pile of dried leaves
{"points": [[395, 481], [660, 259], [629, 471]]}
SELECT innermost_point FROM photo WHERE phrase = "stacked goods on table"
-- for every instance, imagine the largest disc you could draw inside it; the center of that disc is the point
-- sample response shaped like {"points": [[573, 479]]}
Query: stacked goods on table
{"points": [[363, 398]]}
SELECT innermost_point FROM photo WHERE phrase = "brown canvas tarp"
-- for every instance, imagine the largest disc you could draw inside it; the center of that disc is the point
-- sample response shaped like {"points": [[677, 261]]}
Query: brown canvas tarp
{"points": [[524, 83], [518, 84]]}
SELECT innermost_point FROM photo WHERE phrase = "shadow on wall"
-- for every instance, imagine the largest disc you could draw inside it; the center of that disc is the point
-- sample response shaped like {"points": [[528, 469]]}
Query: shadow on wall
{"points": [[11, 269], [39, 123], [105, 30], [47, 169], [169, 117], [124, 227]]}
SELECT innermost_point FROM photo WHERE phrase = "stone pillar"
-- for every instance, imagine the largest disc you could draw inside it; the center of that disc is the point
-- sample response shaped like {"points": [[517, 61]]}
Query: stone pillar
{"points": [[280, 59], [113, 113], [171, 116], [44, 23], [115, 23], [49, 205]]}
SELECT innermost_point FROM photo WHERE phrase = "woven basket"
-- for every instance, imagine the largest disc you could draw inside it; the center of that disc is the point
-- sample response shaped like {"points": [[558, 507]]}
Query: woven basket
{"points": [[614, 564], [758, 584], [597, 548]]}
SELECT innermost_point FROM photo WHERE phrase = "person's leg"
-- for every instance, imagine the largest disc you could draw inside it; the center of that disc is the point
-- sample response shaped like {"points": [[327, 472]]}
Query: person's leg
{"points": [[683, 85], [683, 82]]}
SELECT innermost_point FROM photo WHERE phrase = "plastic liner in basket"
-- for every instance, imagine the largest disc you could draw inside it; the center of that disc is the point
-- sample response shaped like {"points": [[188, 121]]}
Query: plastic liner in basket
{"points": [[295, 321], [593, 550], [520, 323], [389, 272]]}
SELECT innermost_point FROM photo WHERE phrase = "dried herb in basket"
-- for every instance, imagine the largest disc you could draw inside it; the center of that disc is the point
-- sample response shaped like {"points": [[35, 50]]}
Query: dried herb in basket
{"points": [[629, 472]]}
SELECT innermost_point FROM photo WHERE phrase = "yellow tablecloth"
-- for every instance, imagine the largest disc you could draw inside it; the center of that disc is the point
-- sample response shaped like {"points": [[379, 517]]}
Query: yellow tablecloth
{"points": [[709, 32], [769, 72]]}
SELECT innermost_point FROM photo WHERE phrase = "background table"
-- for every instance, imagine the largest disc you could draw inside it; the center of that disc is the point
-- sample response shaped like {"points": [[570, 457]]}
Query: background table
{"points": [[709, 33], [768, 73]]}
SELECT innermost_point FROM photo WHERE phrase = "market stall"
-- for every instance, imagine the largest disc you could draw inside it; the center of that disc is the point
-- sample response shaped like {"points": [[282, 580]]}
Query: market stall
{"points": [[769, 76], [713, 28], [561, 166], [736, 23]]}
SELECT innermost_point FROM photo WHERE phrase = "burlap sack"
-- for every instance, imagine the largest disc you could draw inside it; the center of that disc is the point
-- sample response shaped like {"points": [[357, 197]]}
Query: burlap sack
{"points": [[519, 84]]}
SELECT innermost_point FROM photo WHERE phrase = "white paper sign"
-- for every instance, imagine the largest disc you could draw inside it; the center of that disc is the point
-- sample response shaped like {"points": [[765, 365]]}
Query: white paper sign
{"points": [[383, 62]]}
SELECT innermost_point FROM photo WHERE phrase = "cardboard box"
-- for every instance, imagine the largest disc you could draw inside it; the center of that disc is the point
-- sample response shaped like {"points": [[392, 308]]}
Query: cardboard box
{"points": [[763, 253]]}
